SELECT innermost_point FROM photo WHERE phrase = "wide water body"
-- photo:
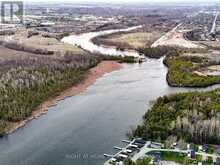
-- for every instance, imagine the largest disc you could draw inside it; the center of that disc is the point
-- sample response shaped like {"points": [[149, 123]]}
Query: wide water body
{"points": [[80, 129]]}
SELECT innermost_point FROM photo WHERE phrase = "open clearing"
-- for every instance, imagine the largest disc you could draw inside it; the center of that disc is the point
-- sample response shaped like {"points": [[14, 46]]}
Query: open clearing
{"points": [[213, 70], [175, 38], [38, 41], [137, 39], [211, 44], [213, 55], [131, 40], [10, 54]]}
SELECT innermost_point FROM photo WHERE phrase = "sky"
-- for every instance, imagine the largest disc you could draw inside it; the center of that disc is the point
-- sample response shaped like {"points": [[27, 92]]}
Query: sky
{"points": [[123, 1]]}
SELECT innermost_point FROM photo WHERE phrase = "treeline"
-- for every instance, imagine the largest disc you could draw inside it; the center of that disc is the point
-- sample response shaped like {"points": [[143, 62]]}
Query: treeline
{"points": [[20, 47], [6, 32], [144, 161], [102, 40], [121, 59], [158, 52], [181, 72], [193, 35], [194, 117], [57, 36], [26, 83]]}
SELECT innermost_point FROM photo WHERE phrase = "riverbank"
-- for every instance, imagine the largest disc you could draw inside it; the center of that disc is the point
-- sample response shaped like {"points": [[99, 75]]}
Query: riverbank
{"points": [[84, 41], [55, 80], [192, 117], [132, 40], [126, 40], [183, 71], [93, 73]]}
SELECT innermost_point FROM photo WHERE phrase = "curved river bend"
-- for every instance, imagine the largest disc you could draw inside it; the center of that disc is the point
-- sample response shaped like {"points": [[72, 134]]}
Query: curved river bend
{"points": [[81, 128], [84, 41]]}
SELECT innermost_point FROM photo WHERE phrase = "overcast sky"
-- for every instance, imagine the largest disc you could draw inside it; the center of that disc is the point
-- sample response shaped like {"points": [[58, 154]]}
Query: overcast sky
{"points": [[122, 1]]}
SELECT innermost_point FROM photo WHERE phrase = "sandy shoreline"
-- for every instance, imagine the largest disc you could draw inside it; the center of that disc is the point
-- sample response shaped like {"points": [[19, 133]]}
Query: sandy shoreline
{"points": [[93, 74]]}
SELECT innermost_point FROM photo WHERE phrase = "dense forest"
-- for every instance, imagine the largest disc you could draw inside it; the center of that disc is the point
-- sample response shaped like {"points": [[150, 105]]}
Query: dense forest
{"points": [[21, 47], [120, 59], [25, 83], [194, 117], [181, 72], [158, 52]]}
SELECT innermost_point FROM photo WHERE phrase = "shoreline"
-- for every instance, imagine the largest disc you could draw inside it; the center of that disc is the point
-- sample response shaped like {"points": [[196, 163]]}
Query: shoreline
{"points": [[90, 46], [93, 73], [103, 41]]}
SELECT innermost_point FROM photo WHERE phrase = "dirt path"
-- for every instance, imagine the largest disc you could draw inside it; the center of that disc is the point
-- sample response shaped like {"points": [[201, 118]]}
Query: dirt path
{"points": [[174, 38]]}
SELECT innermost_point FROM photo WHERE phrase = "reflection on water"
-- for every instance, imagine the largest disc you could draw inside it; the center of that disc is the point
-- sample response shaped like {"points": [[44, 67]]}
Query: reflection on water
{"points": [[81, 128]]}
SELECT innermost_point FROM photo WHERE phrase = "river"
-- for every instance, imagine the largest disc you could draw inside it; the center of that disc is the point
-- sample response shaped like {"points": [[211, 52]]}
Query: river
{"points": [[84, 41], [81, 128]]}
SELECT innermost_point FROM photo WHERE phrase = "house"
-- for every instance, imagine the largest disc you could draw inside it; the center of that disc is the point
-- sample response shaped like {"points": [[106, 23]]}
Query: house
{"points": [[203, 148], [156, 145], [191, 154], [155, 158], [140, 141], [190, 147]]}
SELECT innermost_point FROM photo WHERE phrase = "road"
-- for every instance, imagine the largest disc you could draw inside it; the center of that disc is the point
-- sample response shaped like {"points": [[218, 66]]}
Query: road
{"points": [[175, 38], [213, 30], [145, 150]]}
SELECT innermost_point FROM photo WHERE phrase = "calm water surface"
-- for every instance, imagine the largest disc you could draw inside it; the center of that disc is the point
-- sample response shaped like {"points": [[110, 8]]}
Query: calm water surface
{"points": [[80, 129], [84, 41]]}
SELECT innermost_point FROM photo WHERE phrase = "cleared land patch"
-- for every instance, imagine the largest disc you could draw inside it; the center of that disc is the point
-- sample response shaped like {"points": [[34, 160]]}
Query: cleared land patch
{"points": [[137, 39], [40, 41], [176, 38], [132, 40], [213, 70]]}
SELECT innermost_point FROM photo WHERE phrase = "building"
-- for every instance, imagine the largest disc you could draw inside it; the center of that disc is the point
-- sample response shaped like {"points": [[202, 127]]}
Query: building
{"points": [[155, 158], [191, 154], [203, 148], [190, 147]]}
